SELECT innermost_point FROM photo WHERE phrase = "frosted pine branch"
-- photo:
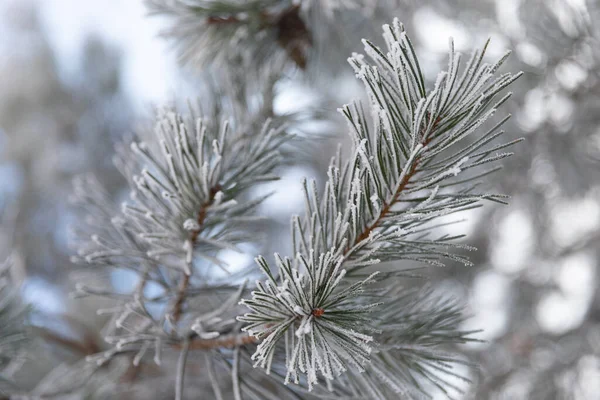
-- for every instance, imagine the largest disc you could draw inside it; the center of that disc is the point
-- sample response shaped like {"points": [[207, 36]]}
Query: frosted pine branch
{"points": [[185, 207], [320, 314], [191, 182], [215, 31], [256, 32], [403, 174], [184, 192], [416, 332], [414, 149], [294, 310]]}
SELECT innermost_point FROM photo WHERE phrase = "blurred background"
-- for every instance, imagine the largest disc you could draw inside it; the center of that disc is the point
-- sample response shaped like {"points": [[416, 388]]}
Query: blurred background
{"points": [[78, 76]]}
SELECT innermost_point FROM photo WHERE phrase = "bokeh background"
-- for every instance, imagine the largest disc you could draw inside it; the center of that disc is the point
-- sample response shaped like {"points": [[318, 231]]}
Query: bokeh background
{"points": [[78, 76]]}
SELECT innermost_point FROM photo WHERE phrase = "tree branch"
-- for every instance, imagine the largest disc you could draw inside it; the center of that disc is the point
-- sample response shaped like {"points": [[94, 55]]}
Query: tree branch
{"points": [[226, 342], [386, 208]]}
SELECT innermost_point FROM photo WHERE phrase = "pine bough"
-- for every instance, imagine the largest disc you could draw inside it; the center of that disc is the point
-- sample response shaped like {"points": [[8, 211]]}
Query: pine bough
{"points": [[253, 32], [332, 312]]}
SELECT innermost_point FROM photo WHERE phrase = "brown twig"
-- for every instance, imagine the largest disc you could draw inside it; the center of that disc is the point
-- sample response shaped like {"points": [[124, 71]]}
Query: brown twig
{"points": [[185, 280], [226, 342], [386, 208], [222, 20], [401, 187], [86, 346], [179, 300]]}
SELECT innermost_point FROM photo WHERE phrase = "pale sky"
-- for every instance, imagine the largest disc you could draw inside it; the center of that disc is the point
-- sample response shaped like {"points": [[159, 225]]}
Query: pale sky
{"points": [[149, 64]]}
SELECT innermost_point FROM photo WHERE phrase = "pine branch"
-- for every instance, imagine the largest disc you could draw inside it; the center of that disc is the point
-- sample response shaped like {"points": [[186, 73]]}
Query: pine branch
{"points": [[186, 206], [379, 206], [268, 32], [214, 31], [388, 206], [417, 330]]}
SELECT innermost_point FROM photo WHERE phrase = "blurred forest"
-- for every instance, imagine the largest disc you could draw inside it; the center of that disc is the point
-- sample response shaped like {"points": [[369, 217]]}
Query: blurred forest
{"points": [[534, 289]]}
